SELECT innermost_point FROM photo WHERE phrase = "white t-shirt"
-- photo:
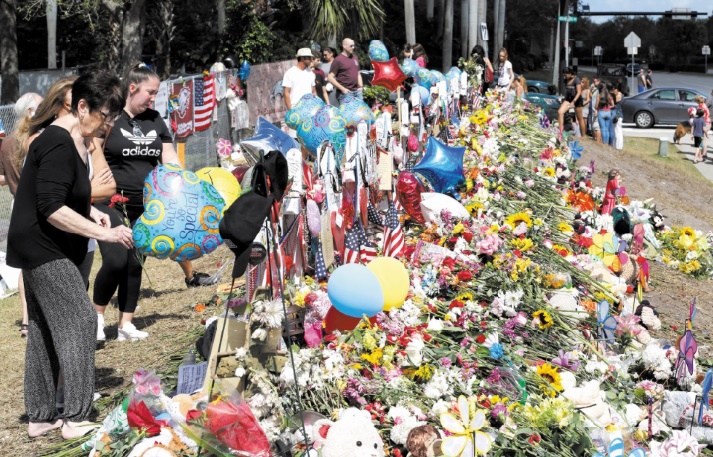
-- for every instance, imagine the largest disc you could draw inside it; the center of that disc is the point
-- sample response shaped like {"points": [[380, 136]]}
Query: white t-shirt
{"points": [[299, 81], [504, 73]]}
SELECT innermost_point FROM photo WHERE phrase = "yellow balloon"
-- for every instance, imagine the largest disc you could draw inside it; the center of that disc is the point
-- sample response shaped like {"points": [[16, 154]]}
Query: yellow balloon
{"points": [[224, 182], [394, 280]]}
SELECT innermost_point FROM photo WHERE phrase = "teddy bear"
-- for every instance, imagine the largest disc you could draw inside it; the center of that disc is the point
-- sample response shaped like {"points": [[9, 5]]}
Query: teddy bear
{"points": [[353, 435], [588, 399], [424, 441]]}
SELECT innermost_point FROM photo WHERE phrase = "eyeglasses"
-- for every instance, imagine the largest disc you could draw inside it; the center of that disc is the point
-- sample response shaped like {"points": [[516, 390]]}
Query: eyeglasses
{"points": [[108, 117]]}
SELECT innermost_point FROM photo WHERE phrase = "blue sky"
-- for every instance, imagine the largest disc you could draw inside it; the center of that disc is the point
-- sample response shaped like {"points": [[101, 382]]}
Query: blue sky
{"points": [[645, 5]]}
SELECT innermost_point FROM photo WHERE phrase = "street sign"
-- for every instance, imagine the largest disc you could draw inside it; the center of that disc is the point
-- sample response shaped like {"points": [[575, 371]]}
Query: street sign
{"points": [[706, 51], [632, 41], [484, 31], [632, 51], [683, 14], [567, 18], [597, 50]]}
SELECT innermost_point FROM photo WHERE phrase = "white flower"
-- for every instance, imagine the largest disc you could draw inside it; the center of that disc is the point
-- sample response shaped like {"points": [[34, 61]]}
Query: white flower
{"points": [[260, 334], [414, 350], [240, 372], [435, 325]]}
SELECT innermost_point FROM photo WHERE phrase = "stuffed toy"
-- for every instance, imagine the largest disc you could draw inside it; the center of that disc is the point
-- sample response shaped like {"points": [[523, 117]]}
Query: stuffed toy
{"points": [[588, 400], [424, 441], [353, 435]]}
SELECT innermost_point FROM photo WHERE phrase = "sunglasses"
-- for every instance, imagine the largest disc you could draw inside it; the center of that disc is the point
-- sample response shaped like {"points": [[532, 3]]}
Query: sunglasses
{"points": [[136, 129], [351, 45]]}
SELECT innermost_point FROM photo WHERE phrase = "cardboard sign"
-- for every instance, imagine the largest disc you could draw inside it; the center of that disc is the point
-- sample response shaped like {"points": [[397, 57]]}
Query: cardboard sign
{"points": [[161, 103], [266, 94], [327, 240]]}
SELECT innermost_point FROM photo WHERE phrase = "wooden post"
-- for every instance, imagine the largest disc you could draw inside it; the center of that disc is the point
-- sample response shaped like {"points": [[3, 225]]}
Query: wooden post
{"points": [[181, 151]]}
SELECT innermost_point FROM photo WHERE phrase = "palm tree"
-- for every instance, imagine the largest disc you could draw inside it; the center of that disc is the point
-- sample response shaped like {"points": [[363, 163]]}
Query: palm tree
{"points": [[51, 34], [410, 19], [8, 52], [331, 17], [448, 35]]}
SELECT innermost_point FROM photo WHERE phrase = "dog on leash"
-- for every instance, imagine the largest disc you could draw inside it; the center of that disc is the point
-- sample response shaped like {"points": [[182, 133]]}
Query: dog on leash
{"points": [[682, 129]]}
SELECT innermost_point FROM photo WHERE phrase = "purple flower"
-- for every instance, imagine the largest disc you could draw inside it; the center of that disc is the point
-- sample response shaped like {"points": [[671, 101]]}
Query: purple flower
{"points": [[498, 411], [564, 361], [445, 362]]}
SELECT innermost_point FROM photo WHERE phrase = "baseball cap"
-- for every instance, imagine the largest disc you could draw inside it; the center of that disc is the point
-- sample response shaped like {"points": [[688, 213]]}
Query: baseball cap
{"points": [[304, 52], [243, 220]]}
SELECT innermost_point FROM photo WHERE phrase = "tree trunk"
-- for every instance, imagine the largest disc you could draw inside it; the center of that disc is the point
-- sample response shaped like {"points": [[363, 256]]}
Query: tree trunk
{"points": [[501, 26], [496, 26], [464, 28], [483, 19], [8, 53], [163, 42], [448, 35], [430, 4], [332, 43], [132, 36], [51, 34], [221, 17], [410, 19], [439, 18], [473, 24], [111, 54]]}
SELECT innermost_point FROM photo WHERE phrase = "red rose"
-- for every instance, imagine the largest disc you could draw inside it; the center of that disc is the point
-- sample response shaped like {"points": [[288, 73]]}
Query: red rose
{"points": [[193, 414], [449, 262], [480, 339], [465, 275], [468, 236], [517, 253], [456, 304]]}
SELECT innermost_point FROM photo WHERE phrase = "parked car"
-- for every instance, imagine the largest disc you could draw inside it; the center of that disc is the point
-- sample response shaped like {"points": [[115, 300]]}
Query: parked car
{"points": [[662, 105], [536, 86], [633, 68], [549, 103]]}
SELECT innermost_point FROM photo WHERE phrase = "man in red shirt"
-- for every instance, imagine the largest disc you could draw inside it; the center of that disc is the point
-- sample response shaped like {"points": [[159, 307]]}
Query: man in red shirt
{"points": [[344, 72]]}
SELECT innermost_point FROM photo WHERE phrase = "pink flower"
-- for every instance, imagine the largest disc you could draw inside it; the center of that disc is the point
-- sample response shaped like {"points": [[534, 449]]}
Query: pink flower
{"points": [[628, 324], [147, 383], [488, 245]]}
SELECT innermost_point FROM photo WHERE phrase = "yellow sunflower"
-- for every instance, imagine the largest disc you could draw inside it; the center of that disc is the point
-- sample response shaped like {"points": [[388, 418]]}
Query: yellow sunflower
{"points": [[544, 318], [516, 219], [688, 231], [552, 377]]}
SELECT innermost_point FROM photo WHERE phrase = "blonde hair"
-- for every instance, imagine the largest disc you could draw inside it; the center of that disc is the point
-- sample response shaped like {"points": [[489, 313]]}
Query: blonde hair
{"points": [[585, 83], [25, 109], [45, 114], [523, 82], [504, 51]]}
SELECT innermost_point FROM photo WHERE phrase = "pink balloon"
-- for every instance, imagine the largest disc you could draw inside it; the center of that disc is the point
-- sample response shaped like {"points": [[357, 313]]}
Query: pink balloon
{"points": [[408, 191], [388, 74]]}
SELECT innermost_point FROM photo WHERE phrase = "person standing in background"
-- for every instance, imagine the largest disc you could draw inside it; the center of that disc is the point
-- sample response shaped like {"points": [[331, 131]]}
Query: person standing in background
{"points": [[344, 73], [505, 73], [326, 65], [320, 81], [299, 80], [649, 80]]}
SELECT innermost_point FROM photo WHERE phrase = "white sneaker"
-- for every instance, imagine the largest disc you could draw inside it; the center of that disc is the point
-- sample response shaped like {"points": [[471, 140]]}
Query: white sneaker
{"points": [[129, 332], [100, 328]]}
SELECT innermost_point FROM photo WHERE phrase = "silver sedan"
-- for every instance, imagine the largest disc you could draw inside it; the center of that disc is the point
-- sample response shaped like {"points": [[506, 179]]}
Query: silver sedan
{"points": [[662, 105]]}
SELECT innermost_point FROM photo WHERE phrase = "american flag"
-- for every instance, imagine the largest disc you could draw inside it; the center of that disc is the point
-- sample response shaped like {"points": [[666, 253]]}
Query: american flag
{"points": [[357, 247], [393, 233], [373, 215], [320, 269], [204, 102]]}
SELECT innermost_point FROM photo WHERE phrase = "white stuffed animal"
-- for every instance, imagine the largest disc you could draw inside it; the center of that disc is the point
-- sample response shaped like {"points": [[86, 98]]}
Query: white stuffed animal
{"points": [[588, 399], [353, 435]]}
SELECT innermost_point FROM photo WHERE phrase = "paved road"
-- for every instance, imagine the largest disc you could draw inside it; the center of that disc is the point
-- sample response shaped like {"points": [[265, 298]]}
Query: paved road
{"points": [[701, 82]]}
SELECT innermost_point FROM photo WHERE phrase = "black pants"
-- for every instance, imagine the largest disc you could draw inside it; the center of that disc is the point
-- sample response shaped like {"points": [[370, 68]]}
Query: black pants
{"points": [[121, 267], [61, 335]]}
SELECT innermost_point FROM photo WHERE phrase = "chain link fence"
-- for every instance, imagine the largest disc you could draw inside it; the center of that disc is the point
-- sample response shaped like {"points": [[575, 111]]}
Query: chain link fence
{"points": [[199, 150]]}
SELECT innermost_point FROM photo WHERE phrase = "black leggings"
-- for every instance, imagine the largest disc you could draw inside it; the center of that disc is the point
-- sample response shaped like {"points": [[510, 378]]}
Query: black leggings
{"points": [[120, 266]]}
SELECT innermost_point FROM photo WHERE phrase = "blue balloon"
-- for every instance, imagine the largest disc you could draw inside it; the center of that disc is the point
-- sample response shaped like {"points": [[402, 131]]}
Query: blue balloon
{"points": [[410, 67], [326, 125], [424, 78], [355, 291], [267, 138], [442, 166], [305, 108], [354, 110], [437, 76], [244, 73], [377, 51], [181, 215], [424, 93]]}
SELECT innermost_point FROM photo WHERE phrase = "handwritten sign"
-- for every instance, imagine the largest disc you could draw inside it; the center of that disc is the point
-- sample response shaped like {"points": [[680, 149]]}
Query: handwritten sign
{"points": [[183, 114], [191, 377], [327, 240]]}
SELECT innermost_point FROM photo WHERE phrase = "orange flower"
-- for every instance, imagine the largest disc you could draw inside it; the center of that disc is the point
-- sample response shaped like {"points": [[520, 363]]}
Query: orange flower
{"points": [[199, 308], [589, 305]]}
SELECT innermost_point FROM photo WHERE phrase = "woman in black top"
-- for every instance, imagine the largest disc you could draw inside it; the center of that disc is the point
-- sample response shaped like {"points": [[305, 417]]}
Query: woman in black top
{"points": [[137, 143], [572, 99], [47, 239]]}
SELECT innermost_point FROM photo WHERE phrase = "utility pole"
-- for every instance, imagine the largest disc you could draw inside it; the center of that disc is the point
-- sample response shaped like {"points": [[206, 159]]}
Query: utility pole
{"points": [[483, 18]]}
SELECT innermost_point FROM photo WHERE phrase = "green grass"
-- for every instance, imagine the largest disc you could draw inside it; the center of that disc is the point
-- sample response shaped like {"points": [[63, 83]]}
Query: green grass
{"points": [[648, 149]]}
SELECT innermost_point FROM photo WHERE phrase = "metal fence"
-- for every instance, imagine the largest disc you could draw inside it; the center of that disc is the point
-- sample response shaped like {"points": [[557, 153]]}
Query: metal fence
{"points": [[199, 148]]}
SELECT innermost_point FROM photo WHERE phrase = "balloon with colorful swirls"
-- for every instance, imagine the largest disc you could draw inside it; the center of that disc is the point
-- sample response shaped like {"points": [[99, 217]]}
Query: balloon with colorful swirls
{"points": [[326, 125], [181, 215], [410, 67], [377, 51], [354, 110], [305, 108], [424, 78]]}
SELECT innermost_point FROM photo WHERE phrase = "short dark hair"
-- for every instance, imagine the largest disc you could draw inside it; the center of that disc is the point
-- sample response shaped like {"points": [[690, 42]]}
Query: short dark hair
{"points": [[99, 89], [567, 71], [700, 113], [329, 49], [139, 73]]}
